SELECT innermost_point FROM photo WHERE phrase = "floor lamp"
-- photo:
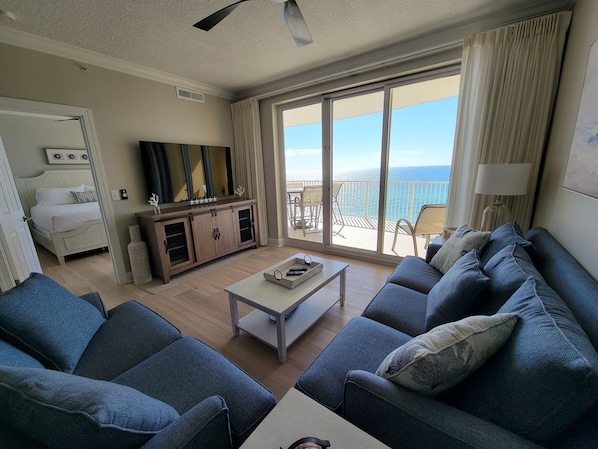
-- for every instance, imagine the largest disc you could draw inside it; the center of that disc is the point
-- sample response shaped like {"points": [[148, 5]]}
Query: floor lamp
{"points": [[501, 180]]}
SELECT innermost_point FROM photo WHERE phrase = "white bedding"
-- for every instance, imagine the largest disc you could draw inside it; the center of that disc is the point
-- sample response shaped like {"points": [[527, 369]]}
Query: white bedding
{"points": [[63, 217]]}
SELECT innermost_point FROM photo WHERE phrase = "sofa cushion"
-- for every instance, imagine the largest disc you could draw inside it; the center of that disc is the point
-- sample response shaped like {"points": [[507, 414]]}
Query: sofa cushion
{"points": [[132, 333], [46, 320], [188, 371], [456, 292], [504, 235], [546, 375], [13, 356], [361, 345], [463, 240], [414, 273], [441, 358], [68, 411], [507, 270], [400, 308]]}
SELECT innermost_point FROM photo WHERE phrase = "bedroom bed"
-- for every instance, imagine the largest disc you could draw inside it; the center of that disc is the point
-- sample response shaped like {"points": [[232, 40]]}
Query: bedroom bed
{"points": [[63, 222]]}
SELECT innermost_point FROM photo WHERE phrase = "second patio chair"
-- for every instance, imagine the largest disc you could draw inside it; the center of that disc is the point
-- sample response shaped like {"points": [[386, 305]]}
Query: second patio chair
{"points": [[430, 221], [309, 204]]}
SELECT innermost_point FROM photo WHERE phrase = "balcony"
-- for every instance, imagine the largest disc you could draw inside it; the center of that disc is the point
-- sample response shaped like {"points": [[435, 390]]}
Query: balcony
{"points": [[358, 205]]}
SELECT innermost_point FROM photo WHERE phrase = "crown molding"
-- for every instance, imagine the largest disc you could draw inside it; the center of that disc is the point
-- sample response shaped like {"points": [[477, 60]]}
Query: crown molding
{"points": [[43, 45]]}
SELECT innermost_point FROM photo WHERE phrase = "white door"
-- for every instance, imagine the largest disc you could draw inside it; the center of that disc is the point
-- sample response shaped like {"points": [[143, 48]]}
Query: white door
{"points": [[18, 255]]}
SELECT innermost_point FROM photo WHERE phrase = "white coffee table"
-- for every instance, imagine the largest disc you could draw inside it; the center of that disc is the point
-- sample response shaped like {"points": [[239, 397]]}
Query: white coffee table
{"points": [[269, 298], [297, 416]]}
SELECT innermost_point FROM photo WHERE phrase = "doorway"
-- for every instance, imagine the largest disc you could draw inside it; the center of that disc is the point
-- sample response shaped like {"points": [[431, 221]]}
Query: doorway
{"points": [[10, 106]]}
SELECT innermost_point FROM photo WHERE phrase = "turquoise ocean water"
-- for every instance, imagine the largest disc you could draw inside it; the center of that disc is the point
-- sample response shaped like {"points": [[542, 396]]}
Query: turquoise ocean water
{"points": [[409, 188]]}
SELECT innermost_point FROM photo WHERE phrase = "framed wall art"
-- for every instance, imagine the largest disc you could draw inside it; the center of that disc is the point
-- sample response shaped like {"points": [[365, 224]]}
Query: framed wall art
{"points": [[582, 169], [64, 156]]}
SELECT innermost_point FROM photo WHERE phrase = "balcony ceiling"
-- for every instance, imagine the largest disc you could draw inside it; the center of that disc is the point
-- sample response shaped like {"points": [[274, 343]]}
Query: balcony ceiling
{"points": [[250, 48]]}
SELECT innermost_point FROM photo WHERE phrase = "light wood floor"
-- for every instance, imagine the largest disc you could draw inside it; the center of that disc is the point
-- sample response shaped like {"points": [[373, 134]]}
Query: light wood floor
{"points": [[199, 306]]}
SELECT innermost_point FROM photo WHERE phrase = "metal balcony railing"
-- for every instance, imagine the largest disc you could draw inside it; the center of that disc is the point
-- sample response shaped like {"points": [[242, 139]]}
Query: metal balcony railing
{"points": [[404, 199]]}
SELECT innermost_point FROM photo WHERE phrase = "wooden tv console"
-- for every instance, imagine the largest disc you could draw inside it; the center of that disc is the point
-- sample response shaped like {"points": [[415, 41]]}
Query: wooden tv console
{"points": [[181, 238]]}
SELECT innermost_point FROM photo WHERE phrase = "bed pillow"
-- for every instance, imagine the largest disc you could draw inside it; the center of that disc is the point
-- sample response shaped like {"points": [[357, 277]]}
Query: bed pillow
{"points": [[457, 291], [463, 240], [53, 196], [47, 321], [88, 196], [43, 403], [441, 358]]}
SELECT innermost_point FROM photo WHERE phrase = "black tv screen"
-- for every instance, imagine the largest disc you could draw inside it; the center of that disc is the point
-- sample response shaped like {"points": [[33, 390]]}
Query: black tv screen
{"points": [[181, 172]]}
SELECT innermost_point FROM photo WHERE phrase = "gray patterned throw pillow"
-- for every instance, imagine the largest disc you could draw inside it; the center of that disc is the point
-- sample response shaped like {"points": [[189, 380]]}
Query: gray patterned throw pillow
{"points": [[463, 240], [441, 358]]}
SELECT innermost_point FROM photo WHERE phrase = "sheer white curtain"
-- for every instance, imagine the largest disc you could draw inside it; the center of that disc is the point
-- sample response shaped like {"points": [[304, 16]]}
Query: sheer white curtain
{"points": [[509, 78], [249, 167]]}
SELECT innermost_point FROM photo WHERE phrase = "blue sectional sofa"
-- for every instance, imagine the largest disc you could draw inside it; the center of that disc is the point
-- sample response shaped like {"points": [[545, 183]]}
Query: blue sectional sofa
{"points": [[538, 390], [74, 375]]}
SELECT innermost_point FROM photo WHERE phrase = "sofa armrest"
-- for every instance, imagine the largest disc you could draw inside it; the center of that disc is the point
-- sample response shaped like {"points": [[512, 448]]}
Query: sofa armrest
{"points": [[400, 417], [205, 425], [95, 300]]}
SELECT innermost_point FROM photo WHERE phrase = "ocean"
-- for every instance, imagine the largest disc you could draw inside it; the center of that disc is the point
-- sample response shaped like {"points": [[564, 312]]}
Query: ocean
{"points": [[408, 189]]}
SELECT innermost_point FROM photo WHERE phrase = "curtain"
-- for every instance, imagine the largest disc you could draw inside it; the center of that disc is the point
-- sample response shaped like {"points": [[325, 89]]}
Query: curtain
{"points": [[509, 79], [249, 168]]}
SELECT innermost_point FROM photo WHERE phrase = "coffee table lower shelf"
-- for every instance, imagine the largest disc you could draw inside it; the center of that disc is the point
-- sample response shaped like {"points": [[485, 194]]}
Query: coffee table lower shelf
{"points": [[258, 323]]}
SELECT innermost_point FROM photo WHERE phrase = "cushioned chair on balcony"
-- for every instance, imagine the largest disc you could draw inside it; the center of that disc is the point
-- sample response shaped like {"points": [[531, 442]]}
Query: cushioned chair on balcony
{"points": [[309, 205], [430, 221], [336, 207]]}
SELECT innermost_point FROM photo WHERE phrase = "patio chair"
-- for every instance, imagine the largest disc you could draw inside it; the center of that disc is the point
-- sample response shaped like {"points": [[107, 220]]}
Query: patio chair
{"points": [[309, 204], [430, 221]]}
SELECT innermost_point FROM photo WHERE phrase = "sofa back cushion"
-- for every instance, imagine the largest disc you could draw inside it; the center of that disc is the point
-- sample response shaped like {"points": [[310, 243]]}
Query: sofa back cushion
{"points": [[504, 235], [68, 411], [507, 270], [13, 356], [456, 292], [546, 375], [44, 319]]}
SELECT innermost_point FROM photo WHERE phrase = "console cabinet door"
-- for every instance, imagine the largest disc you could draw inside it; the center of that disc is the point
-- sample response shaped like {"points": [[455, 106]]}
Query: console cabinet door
{"points": [[174, 246], [204, 236], [245, 227], [226, 237]]}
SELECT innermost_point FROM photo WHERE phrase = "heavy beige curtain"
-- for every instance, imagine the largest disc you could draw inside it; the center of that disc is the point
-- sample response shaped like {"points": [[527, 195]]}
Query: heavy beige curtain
{"points": [[509, 79], [249, 168]]}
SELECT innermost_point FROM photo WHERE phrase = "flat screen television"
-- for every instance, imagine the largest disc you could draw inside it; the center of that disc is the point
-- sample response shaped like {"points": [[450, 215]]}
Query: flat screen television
{"points": [[181, 172]]}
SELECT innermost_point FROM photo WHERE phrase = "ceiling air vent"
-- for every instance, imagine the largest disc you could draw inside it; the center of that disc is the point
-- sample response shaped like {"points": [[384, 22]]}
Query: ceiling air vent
{"points": [[191, 95]]}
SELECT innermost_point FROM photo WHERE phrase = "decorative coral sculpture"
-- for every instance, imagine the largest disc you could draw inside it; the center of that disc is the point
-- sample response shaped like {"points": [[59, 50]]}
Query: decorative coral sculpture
{"points": [[153, 201]]}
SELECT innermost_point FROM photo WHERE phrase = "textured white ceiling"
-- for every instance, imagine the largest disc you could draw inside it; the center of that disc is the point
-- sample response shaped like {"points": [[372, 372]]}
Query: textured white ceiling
{"points": [[252, 46]]}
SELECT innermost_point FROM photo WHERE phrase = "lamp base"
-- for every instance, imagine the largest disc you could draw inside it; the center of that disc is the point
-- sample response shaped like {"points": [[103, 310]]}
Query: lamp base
{"points": [[494, 215]]}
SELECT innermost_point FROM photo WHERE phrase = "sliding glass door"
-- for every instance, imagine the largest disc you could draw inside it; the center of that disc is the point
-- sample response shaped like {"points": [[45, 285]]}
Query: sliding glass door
{"points": [[357, 162]]}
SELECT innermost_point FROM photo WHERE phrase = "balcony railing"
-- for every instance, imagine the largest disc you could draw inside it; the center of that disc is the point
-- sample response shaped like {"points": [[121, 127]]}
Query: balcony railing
{"points": [[404, 199]]}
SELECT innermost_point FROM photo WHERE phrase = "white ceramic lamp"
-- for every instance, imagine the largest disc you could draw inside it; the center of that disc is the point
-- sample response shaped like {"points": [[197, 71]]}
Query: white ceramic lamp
{"points": [[501, 180]]}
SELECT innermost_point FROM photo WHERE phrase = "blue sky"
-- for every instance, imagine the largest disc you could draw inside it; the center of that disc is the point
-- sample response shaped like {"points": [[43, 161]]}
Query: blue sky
{"points": [[421, 135]]}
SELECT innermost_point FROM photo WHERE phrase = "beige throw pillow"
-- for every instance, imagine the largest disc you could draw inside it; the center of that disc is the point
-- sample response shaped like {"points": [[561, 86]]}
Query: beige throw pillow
{"points": [[441, 358], [463, 240]]}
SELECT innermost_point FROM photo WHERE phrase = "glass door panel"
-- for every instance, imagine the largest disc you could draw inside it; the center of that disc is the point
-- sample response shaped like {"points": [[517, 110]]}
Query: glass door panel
{"points": [[302, 136], [356, 142], [421, 135]]}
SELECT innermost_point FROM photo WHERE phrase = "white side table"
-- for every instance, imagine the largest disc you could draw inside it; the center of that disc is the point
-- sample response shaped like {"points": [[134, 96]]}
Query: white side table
{"points": [[297, 416]]}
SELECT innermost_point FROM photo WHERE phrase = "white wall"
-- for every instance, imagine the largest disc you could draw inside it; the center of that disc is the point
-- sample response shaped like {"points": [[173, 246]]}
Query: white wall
{"points": [[26, 138], [570, 217], [125, 109]]}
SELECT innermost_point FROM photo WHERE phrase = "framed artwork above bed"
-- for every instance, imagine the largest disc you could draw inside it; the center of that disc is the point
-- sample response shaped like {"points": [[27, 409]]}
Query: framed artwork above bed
{"points": [[65, 156]]}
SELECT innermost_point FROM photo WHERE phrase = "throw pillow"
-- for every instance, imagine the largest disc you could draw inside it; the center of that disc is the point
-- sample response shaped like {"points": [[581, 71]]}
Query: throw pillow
{"points": [[46, 320], [502, 236], [68, 411], [89, 196], [463, 240], [53, 196], [441, 358], [544, 378], [457, 291]]}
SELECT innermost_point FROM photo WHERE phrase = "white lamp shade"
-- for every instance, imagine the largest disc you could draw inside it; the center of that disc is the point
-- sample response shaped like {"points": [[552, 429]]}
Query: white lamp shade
{"points": [[503, 179]]}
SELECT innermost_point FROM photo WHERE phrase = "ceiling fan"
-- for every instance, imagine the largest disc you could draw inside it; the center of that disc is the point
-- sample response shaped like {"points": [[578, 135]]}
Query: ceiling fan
{"points": [[292, 15]]}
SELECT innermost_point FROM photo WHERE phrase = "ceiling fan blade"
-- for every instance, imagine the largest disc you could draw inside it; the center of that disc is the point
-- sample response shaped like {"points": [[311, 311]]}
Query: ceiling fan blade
{"points": [[212, 20], [296, 23]]}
